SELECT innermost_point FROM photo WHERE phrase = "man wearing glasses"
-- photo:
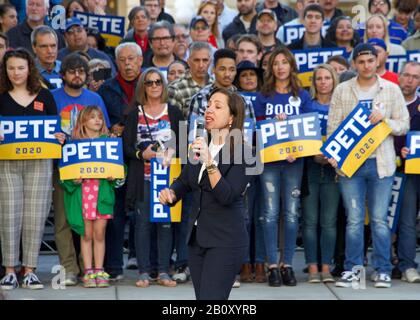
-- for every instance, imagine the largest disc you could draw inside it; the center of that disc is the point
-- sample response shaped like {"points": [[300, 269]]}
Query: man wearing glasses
{"points": [[182, 41], [162, 41], [77, 40], [156, 10]]}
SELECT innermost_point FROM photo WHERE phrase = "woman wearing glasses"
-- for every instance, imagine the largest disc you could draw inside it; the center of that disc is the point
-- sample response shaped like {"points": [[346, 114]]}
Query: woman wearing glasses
{"points": [[25, 185], [151, 120]]}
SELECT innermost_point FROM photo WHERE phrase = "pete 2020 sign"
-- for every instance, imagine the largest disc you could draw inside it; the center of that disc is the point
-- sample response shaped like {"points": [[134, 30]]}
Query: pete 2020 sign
{"points": [[92, 158], [29, 138], [110, 27], [308, 60], [160, 178], [298, 136], [412, 163], [295, 32], [395, 203], [355, 140]]}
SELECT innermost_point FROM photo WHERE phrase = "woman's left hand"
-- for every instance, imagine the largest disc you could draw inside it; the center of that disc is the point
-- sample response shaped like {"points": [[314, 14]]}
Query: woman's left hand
{"points": [[61, 137], [290, 159], [199, 146]]}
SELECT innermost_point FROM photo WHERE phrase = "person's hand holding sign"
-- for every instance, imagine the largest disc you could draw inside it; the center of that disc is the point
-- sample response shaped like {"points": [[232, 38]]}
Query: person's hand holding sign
{"points": [[404, 152], [167, 196], [333, 162], [376, 114], [61, 137]]}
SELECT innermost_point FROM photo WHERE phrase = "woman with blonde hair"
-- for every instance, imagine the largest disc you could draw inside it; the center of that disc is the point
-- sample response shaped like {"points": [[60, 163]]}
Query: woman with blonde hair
{"points": [[377, 27], [320, 206], [208, 10]]}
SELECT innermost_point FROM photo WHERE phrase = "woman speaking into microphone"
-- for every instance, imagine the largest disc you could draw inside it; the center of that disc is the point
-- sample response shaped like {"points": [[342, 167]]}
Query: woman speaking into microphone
{"points": [[217, 236]]}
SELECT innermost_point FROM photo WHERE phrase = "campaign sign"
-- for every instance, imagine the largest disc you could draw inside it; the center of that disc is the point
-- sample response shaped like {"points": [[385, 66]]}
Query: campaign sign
{"points": [[395, 203], [413, 55], [29, 138], [92, 158], [412, 163], [295, 32], [355, 140], [160, 178], [110, 27], [308, 60], [298, 136], [395, 63]]}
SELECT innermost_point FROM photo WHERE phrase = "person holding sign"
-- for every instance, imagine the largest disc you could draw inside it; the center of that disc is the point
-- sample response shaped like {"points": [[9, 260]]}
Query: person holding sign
{"points": [[281, 96], [320, 206], [407, 239], [376, 173], [25, 185], [151, 124], [89, 203], [217, 236]]}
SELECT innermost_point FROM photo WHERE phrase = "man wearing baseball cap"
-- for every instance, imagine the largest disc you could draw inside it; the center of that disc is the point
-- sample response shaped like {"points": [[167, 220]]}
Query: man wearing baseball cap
{"points": [[266, 29], [374, 179], [381, 49], [199, 29]]}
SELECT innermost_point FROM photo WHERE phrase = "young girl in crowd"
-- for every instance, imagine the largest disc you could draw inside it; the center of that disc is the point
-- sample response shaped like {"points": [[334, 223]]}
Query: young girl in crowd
{"points": [[281, 96], [90, 203]]}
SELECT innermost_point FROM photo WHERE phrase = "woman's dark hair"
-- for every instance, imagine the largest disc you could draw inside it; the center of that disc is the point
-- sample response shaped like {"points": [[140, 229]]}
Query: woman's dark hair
{"points": [[269, 85], [33, 83], [236, 106], [3, 10], [80, 2], [93, 32], [133, 12], [236, 82], [331, 32]]}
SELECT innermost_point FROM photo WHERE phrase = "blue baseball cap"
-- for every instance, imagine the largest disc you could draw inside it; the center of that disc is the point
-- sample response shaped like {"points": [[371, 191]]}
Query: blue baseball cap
{"points": [[364, 48], [377, 42], [197, 19], [73, 22]]}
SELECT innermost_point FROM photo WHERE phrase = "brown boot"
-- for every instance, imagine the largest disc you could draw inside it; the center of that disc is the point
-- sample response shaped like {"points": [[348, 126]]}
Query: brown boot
{"points": [[246, 273], [260, 275]]}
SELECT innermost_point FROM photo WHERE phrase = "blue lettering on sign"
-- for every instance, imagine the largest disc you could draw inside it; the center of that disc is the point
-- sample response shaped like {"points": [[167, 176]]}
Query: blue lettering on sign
{"points": [[97, 150], [395, 63], [105, 24], [413, 55], [308, 60]]}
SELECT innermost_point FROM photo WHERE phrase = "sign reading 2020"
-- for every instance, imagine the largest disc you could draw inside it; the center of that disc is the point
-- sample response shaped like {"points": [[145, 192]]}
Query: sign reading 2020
{"points": [[298, 136], [412, 164], [355, 140], [29, 138], [92, 158], [160, 178]]}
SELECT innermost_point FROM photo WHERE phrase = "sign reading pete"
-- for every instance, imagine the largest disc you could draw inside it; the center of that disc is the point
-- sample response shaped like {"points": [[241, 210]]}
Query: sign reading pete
{"points": [[92, 158], [29, 138], [298, 136]]}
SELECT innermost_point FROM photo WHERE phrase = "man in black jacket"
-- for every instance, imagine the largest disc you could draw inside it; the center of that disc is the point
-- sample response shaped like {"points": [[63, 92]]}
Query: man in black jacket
{"points": [[283, 12], [330, 9], [313, 19], [244, 22]]}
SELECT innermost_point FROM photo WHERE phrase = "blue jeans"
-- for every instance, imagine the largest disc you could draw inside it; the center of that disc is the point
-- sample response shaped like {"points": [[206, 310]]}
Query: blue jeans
{"points": [[254, 209], [366, 182], [407, 237], [281, 179], [319, 211], [144, 236], [180, 231]]}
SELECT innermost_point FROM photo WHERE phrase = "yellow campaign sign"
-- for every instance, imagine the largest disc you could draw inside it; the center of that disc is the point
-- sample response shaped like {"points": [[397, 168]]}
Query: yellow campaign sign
{"points": [[29, 137], [412, 163], [306, 78], [160, 178], [92, 159], [296, 149]]}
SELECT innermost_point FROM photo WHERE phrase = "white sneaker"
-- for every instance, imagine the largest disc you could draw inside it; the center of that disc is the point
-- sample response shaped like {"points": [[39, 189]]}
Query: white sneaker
{"points": [[346, 280], [31, 281], [411, 275], [132, 264], [181, 275], [236, 284], [383, 281], [71, 279]]}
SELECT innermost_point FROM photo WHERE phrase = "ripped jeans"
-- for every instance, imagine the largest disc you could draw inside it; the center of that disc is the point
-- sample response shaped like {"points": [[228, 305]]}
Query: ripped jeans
{"points": [[365, 183], [281, 179]]}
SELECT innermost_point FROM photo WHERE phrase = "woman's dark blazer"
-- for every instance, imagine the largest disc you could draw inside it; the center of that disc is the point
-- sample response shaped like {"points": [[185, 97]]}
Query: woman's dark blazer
{"points": [[135, 175], [220, 212]]}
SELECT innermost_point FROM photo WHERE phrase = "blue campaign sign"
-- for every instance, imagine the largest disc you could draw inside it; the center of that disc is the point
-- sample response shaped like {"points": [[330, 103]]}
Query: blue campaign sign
{"points": [[413, 55], [29, 138], [355, 140], [160, 178], [395, 203], [110, 27], [412, 163], [395, 63], [298, 136], [295, 32], [308, 60], [92, 158], [249, 129]]}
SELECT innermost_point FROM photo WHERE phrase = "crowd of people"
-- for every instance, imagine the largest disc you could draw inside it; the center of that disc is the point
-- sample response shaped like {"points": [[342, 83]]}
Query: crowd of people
{"points": [[229, 65]]}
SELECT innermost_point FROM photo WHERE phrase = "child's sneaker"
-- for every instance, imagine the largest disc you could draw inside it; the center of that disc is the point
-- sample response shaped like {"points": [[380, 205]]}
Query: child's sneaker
{"points": [[31, 281], [102, 279], [9, 282], [89, 280]]}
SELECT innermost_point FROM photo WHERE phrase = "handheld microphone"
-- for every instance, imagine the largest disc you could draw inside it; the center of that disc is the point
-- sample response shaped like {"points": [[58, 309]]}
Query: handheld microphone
{"points": [[199, 132]]}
